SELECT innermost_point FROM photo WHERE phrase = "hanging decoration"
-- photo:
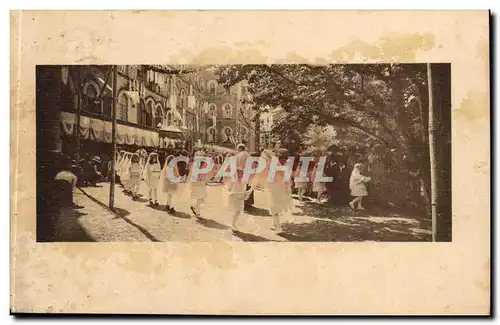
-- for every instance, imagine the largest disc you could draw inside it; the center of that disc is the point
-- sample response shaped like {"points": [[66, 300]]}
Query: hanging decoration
{"points": [[65, 74]]}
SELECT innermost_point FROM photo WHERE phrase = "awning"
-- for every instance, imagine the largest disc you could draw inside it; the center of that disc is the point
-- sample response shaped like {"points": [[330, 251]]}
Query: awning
{"points": [[172, 128], [219, 148], [100, 131]]}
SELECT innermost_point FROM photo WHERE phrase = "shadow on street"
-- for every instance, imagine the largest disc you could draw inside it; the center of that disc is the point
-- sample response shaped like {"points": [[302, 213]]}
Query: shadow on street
{"points": [[209, 223], [356, 230], [122, 214], [250, 237], [254, 211], [73, 231]]}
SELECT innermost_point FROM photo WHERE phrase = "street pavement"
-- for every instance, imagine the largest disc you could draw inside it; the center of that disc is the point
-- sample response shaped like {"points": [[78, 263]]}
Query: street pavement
{"points": [[137, 221]]}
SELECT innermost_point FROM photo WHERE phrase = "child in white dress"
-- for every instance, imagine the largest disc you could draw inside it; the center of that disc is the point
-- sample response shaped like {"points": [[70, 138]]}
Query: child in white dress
{"points": [[357, 186], [125, 173], [151, 177], [276, 190], [198, 186], [300, 185], [168, 186], [135, 171], [318, 187]]}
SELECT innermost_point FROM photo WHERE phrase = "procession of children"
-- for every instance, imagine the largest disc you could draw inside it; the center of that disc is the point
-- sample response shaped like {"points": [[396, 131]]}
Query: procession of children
{"points": [[142, 174]]}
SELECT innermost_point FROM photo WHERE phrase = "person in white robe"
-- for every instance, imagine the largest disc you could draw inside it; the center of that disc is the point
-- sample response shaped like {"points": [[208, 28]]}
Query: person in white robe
{"points": [[358, 188], [125, 172], [151, 176], [135, 171], [300, 184], [318, 187], [237, 191], [169, 188], [198, 186], [121, 156], [278, 200]]}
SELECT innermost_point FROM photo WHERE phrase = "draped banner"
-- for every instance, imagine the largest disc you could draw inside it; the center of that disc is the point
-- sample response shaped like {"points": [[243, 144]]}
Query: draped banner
{"points": [[99, 130], [68, 122]]}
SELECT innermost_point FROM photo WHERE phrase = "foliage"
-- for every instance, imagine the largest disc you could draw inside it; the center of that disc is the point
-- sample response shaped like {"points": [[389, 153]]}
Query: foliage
{"points": [[376, 106]]}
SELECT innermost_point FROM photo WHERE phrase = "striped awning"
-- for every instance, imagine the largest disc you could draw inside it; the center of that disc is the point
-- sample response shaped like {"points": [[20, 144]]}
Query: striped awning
{"points": [[100, 131]]}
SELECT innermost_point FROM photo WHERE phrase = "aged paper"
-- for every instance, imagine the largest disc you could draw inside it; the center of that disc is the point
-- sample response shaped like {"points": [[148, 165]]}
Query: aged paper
{"points": [[248, 277]]}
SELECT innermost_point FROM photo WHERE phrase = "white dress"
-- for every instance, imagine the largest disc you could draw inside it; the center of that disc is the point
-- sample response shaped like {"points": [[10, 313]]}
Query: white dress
{"points": [[198, 188], [317, 186], [277, 196], [135, 174], [169, 186], [357, 184], [124, 172], [153, 175], [236, 196]]}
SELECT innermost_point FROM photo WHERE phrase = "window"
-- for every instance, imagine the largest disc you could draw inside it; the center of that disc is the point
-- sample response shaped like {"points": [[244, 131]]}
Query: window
{"points": [[123, 107], [89, 98], [142, 113], [190, 126], [158, 115], [169, 118], [212, 110], [212, 87], [182, 99], [227, 133], [211, 134], [244, 135], [107, 105], [227, 111], [149, 112]]}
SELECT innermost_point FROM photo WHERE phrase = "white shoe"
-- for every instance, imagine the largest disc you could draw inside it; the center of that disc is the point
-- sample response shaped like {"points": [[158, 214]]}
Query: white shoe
{"points": [[361, 208]]}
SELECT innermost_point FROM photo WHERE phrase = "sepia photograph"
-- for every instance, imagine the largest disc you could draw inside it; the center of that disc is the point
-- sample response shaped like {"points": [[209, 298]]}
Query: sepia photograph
{"points": [[278, 162], [379, 135]]}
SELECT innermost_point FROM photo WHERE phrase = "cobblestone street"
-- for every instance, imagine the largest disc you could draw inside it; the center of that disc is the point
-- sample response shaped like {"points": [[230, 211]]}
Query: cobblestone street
{"points": [[135, 221]]}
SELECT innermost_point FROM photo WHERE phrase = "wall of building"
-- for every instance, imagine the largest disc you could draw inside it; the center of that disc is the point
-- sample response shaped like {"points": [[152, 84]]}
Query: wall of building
{"points": [[153, 104]]}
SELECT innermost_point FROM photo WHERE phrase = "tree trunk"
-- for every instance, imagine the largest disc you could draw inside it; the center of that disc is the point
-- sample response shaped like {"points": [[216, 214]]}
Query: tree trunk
{"points": [[432, 151], [440, 149]]}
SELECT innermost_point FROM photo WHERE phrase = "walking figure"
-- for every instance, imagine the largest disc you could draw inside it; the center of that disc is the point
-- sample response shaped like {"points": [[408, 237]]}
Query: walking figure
{"points": [[151, 177], [135, 171], [358, 187]]}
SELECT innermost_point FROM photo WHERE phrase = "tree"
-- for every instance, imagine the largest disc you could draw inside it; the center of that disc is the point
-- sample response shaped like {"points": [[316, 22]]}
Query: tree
{"points": [[320, 137], [440, 149], [375, 105]]}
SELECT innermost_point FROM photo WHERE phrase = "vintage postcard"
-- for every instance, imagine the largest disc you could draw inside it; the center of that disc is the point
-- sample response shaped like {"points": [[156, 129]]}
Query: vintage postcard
{"points": [[315, 163]]}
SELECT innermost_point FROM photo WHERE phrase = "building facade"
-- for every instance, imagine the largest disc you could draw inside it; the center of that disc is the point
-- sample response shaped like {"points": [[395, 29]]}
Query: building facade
{"points": [[226, 120], [154, 108]]}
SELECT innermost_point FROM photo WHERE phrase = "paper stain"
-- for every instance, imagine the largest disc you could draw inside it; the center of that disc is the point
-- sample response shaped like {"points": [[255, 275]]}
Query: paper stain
{"points": [[391, 48], [483, 55], [228, 55], [484, 285], [222, 257], [474, 107]]}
